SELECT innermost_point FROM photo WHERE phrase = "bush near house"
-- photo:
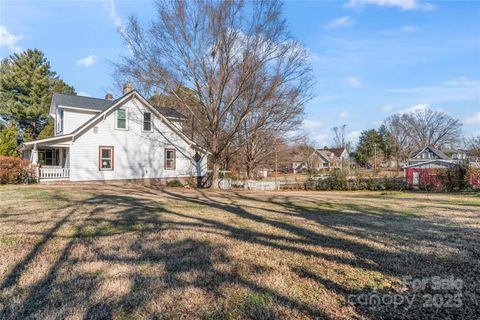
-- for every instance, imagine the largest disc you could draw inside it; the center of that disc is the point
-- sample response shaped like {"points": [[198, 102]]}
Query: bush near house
{"points": [[174, 183], [14, 170]]}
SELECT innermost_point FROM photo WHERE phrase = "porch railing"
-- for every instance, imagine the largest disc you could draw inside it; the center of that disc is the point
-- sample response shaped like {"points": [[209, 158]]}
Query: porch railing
{"points": [[54, 173]]}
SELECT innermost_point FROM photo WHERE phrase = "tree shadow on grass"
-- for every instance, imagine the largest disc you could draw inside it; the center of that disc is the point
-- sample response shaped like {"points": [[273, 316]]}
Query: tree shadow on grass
{"points": [[411, 257], [188, 263]]}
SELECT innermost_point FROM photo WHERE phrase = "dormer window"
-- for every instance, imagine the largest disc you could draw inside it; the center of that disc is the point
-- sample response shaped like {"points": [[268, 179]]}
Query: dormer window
{"points": [[121, 121]]}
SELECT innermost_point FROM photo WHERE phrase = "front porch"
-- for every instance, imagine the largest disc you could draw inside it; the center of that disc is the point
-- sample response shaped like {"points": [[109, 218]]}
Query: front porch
{"points": [[50, 157], [53, 163]]}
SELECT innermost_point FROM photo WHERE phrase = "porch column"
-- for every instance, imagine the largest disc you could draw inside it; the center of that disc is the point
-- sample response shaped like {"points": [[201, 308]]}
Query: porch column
{"points": [[60, 155], [35, 154]]}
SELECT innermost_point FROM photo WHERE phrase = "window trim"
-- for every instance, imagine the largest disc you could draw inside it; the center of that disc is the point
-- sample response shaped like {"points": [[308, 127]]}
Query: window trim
{"points": [[143, 121], [174, 158], [126, 119], [100, 148]]}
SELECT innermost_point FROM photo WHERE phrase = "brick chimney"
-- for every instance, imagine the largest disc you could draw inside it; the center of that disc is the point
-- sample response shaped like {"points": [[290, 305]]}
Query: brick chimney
{"points": [[127, 87], [108, 96]]}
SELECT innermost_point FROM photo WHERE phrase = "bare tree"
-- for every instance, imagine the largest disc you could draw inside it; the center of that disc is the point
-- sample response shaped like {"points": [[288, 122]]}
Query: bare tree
{"points": [[339, 137], [473, 146], [401, 138], [416, 130], [221, 51], [268, 124]]}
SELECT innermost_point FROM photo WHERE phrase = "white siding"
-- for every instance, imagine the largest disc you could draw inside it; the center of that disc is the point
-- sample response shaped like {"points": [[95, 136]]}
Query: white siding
{"points": [[72, 119], [137, 154]]}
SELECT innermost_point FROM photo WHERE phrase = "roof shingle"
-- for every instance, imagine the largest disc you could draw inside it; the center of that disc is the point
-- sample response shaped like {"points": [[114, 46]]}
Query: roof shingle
{"points": [[89, 103]]}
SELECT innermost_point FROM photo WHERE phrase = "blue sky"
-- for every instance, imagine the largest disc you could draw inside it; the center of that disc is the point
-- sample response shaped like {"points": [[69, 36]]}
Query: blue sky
{"points": [[371, 58]]}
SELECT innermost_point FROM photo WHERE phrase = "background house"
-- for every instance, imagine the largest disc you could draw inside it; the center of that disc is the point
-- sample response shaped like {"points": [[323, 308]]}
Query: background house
{"points": [[321, 160], [426, 166]]}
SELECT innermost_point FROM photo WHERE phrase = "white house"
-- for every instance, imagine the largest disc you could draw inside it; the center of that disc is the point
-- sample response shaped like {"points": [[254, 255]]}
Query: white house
{"points": [[321, 159], [123, 139]]}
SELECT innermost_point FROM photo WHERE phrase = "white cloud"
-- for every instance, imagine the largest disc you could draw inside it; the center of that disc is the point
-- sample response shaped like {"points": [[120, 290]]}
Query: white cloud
{"points": [[311, 124], [402, 4], [456, 89], [344, 114], [461, 81], [408, 29], [83, 94], [117, 21], [353, 82], [353, 136], [87, 61], [340, 22], [473, 119], [10, 40], [387, 108], [417, 107], [321, 139], [312, 56]]}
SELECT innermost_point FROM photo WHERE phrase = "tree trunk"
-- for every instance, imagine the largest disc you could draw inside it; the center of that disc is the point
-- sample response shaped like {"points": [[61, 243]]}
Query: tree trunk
{"points": [[249, 171], [215, 175]]}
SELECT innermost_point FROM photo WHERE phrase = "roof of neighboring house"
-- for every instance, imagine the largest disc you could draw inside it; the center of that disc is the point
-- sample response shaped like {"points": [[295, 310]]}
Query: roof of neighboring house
{"points": [[448, 163], [434, 150], [170, 112], [298, 158], [89, 103], [336, 151], [327, 155]]}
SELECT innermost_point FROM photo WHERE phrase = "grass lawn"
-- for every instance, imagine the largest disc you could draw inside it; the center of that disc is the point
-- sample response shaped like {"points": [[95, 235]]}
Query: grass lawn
{"points": [[131, 252]]}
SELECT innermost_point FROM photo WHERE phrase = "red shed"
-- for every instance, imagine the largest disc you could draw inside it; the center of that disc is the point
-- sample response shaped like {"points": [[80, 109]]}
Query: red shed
{"points": [[427, 173]]}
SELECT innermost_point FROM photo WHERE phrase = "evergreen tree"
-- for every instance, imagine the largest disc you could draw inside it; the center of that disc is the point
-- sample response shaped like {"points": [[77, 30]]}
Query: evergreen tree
{"points": [[26, 87], [375, 146], [369, 142], [9, 140], [47, 131]]}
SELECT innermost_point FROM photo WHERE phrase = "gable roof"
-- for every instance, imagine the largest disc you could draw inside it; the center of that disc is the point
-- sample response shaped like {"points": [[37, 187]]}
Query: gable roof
{"points": [[439, 153], [336, 151], [117, 103], [100, 105]]}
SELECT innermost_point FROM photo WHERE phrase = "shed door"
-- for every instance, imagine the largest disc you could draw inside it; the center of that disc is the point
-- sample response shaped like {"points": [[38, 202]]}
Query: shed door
{"points": [[416, 178]]}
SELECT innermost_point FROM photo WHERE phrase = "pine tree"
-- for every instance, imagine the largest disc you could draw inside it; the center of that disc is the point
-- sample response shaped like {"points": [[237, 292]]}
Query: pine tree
{"points": [[9, 141], [26, 87]]}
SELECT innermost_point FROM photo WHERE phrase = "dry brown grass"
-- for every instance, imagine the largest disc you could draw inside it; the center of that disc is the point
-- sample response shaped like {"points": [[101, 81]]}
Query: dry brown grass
{"points": [[129, 252]]}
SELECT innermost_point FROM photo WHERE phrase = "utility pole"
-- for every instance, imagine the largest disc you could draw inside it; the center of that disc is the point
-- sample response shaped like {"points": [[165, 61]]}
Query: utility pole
{"points": [[375, 157]]}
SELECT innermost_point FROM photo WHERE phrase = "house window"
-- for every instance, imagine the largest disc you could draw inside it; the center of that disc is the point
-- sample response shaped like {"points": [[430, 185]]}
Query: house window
{"points": [[170, 159], [105, 158], [147, 121], [60, 120], [122, 119]]}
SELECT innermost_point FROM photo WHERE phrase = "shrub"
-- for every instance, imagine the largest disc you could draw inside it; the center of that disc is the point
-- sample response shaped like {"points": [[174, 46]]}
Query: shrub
{"points": [[174, 183], [14, 170], [454, 179], [473, 177]]}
